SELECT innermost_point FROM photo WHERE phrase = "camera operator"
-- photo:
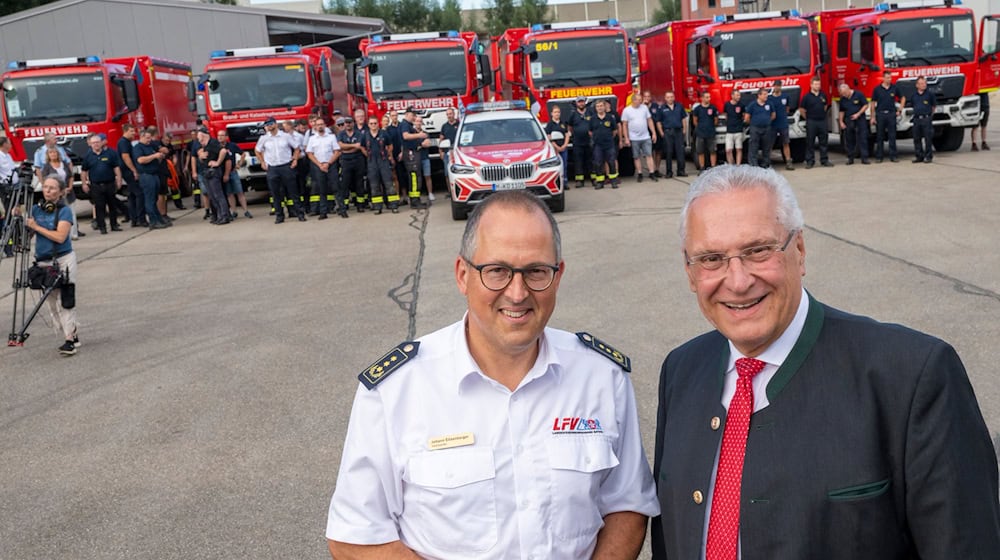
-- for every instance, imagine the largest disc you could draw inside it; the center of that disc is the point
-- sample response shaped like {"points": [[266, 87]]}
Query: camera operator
{"points": [[51, 220]]}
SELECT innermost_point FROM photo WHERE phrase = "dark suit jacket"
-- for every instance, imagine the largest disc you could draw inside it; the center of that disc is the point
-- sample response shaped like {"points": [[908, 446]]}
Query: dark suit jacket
{"points": [[872, 447]]}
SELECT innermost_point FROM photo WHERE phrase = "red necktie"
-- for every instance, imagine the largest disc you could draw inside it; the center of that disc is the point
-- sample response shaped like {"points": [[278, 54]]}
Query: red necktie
{"points": [[724, 519]]}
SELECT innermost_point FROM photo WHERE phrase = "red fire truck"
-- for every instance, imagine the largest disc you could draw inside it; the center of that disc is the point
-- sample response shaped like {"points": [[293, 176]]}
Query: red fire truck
{"points": [[930, 38], [244, 87], [744, 52], [73, 97], [551, 65], [988, 51], [428, 71]]}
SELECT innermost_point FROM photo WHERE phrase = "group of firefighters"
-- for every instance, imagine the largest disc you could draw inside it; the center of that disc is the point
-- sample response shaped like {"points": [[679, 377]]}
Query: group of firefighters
{"points": [[658, 132]]}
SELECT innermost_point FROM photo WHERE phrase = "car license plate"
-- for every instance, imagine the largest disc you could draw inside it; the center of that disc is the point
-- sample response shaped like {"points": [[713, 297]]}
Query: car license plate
{"points": [[510, 186]]}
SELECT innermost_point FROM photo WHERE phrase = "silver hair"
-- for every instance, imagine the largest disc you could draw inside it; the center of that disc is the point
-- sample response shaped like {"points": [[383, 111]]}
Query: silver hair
{"points": [[59, 181], [509, 199], [729, 178]]}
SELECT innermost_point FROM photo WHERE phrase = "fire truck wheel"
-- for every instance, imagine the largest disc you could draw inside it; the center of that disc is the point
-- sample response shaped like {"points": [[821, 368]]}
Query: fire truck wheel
{"points": [[950, 139], [797, 148]]}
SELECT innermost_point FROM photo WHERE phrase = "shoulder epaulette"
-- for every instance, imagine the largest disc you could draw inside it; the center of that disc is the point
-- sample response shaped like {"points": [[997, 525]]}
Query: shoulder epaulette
{"points": [[378, 371], [605, 350]]}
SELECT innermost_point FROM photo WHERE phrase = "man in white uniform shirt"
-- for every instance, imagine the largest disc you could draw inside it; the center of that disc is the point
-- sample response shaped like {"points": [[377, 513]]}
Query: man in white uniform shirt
{"points": [[502, 438], [278, 154], [323, 151]]}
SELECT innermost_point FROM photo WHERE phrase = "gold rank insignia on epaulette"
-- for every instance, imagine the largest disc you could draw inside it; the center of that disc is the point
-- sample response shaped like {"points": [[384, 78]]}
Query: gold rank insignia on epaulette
{"points": [[605, 350], [378, 371]]}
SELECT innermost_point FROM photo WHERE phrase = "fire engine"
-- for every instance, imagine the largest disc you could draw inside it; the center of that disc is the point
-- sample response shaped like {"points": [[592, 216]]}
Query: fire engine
{"points": [[930, 38], [744, 52], [242, 88], [989, 45], [428, 71], [76, 96]]}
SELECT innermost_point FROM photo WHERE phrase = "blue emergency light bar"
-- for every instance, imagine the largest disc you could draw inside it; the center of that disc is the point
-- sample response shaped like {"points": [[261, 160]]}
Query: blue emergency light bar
{"points": [[44, 62], [496, 106], [256, 51], [756, 16], [452, 34], [886, 6], [574, 25]]}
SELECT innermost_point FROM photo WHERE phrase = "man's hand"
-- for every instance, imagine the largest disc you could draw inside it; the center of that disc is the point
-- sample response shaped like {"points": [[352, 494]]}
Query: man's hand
{"points": [[30, 222], [86, 187]]}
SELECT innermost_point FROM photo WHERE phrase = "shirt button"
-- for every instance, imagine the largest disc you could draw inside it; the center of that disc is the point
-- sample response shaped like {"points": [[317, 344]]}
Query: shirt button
{"points": [[586, 460], [524, 504], [520, 449], [698, 497], [716, 422]]}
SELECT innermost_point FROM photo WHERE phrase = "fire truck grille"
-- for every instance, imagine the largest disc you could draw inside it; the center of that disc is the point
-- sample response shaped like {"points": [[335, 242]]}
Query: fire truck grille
{"points": [[514, 172], [947, 89], [245, 133]]}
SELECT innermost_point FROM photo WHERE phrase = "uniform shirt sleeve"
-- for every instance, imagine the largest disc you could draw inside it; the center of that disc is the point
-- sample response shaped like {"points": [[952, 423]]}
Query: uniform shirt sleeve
{"points": [[368, 497], [629, 486]]}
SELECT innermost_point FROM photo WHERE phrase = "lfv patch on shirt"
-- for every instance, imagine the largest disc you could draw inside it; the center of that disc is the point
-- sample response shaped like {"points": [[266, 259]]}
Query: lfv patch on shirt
{"points": [[576, 425], [453, 440]]}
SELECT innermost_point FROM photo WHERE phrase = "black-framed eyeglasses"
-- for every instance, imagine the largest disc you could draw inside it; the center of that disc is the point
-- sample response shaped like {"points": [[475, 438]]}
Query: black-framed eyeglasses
{"points": [[750, 257], [496, 277]]}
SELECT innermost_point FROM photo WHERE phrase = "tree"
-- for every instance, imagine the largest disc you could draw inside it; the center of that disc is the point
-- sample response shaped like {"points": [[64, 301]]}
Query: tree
{"points": [[500, 14], [669, 10], [449, 15], [534, 11]]}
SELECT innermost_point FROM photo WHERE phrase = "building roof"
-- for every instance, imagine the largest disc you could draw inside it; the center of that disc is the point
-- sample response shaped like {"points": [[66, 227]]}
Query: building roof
{"points": [[342, 33]]}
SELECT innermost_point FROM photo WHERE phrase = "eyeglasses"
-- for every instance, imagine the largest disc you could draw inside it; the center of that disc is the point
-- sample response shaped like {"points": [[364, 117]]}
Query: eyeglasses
{"points": [[750, 257], [496, 277]]}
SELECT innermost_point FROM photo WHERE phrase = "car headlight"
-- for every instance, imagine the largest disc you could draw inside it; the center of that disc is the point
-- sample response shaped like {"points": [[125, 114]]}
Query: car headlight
{"points": [[462, 169], [551, 162]]}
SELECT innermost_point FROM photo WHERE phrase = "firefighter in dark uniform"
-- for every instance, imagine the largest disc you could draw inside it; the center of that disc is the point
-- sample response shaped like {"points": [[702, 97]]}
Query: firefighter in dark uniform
{"points": [[884, 113], [130, 174], [813, 108], [412, 143], [672, 126], [604, 136], [557, 124], [378, 146], [853, 123], [759, 115], [924, 102], [579, 122], [654, 113], [352, 163]]}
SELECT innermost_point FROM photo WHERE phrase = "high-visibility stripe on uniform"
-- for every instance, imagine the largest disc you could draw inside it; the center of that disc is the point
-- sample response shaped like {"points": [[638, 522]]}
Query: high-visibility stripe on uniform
{"points": [[393, 198], [376, 200]]}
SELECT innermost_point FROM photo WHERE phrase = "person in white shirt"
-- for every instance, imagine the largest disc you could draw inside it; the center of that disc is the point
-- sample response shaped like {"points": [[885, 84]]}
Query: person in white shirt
{"points": [[503, 438], [8, 168], [278, 155], [324, 151], [639, 132]]}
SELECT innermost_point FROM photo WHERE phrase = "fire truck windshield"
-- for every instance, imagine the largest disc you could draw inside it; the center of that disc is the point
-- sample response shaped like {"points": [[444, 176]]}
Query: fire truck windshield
{"points": [[762, 53], [257, 87], [55, 99], [405, 72], [926, 41], [579, 62]]}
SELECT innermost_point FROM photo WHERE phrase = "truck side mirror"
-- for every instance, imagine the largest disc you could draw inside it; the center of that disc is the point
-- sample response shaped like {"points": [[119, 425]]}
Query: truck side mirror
{"points": [[324, 80], [486, 69], [131, 91], [327, 96], [510, 68], [191, 92]]}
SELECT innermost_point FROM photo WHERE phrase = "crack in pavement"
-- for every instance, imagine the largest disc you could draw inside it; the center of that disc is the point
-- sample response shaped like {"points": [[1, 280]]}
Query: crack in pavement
{"points": [[960, 286], [407, 293]]}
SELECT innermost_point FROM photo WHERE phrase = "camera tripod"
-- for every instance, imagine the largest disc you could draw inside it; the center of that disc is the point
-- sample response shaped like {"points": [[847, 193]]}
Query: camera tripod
{"points": [[16, 245]]}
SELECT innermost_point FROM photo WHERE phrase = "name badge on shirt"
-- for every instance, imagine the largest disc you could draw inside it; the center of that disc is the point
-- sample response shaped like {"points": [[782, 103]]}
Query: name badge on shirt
{"points": [[453, 440]]}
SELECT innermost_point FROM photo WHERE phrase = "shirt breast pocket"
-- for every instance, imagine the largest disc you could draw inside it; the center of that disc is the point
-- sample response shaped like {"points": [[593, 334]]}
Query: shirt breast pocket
{"points": [[450, 498], [579, 465]]}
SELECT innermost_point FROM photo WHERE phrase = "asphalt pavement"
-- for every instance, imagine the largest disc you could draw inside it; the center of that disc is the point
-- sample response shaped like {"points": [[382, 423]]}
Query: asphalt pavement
{"points": [[205, 412]]}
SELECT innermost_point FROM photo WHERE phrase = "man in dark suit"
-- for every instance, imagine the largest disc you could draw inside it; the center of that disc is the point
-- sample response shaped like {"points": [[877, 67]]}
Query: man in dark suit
{"points": [[796, 431]]}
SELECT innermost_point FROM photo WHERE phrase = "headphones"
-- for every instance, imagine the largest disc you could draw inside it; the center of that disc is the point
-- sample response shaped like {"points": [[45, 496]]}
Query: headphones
{"points": [[50, 207]]}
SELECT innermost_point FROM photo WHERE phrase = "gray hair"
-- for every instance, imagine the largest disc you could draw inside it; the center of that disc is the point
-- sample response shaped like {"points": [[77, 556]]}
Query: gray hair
{"points": [[729, 178], [59, 181], [524, 200]]}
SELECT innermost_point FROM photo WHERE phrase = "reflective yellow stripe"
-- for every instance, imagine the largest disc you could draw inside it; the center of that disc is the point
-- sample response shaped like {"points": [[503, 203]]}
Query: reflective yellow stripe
{"points": [[414, 186], [393, 198], [314, 198], [599, 178], [176, 196], [376, 200], [612, 175], [196, 192]]}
